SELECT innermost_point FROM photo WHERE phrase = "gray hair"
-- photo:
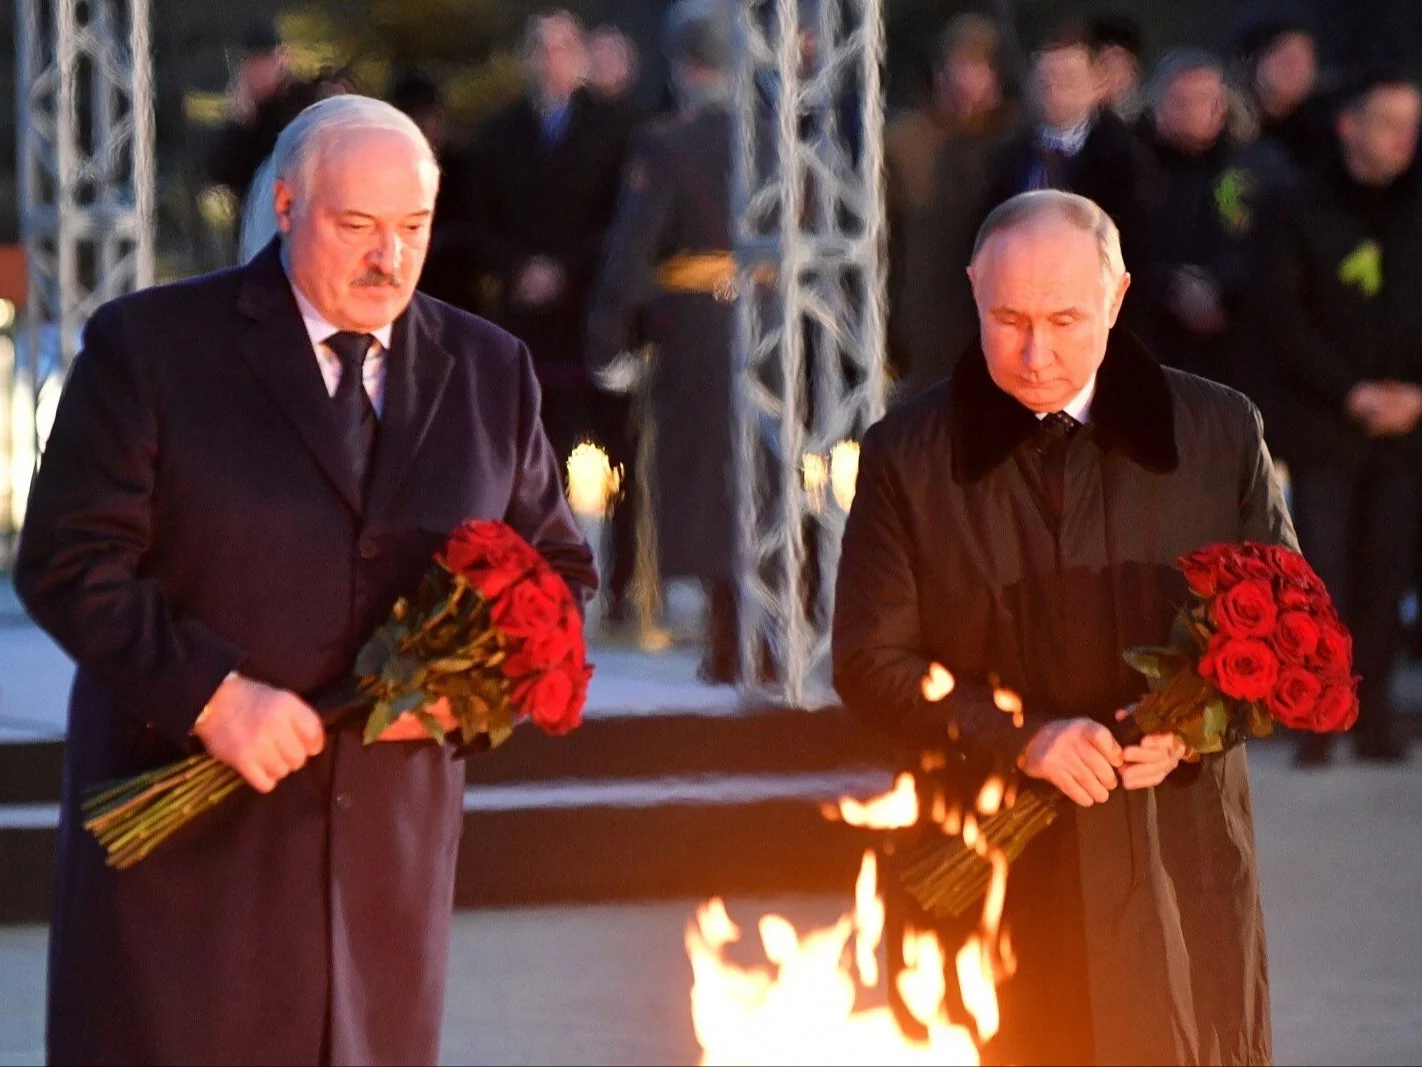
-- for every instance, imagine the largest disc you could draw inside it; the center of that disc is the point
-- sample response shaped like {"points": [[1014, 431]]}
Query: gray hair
{"points": [[1179, 62], [1079, 212], [301, 144], [700, 33]]}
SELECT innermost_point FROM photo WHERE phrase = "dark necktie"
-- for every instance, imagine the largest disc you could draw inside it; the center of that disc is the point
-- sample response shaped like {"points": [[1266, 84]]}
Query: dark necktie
{"points": [[354, 413], [1054, 434]]}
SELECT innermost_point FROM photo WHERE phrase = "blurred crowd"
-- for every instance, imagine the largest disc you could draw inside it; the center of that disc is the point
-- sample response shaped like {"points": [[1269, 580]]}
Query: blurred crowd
{"points": [[1269, 211]]}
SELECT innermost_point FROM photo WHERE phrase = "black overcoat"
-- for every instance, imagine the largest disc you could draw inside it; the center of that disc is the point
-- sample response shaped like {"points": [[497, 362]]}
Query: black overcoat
{"points": [[192, 515], [1137, 923]]}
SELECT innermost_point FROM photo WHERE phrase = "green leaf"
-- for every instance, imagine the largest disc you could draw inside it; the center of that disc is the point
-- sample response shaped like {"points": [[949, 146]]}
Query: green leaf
{"points": [[380, 717], [451, 665], [499, 733], [411, 701], [374, 654], [1156, 664], [1258, 720], [433, 725]]}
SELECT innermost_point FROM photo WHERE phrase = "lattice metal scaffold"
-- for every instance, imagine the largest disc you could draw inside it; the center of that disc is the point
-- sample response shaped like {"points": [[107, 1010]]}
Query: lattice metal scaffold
{"points": [[84, 98], [808, 205]]}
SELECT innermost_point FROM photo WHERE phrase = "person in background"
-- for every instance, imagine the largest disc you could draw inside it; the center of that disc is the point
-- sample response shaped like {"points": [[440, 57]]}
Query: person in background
{"points": [[1202, 220], [612, 63], [1116, 50], [1075, 144], [264, 97], [543, 188], [1277, 56], [449, 273], [669, 280], [1345, 324], [938, 162]]}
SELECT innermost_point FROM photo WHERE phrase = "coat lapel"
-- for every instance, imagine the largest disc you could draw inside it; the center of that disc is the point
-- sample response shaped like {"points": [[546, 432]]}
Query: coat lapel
{"points": [[278, 350], [416, 374]]}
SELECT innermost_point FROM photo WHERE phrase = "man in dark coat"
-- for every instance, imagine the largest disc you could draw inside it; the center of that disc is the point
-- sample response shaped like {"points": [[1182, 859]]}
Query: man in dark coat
{"points": [[212, 536], [1078, 145], [544, 187], [1345, 326], [1018, 524], [669, 280], [1202, 223]]}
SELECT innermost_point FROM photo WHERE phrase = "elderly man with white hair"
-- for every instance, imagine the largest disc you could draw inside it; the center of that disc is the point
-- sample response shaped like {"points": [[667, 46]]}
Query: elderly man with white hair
{"points": [[245, 471], [1019, 524]]}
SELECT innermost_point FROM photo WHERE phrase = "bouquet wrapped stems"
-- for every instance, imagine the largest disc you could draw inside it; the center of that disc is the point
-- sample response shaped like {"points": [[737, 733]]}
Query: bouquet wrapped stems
{"points": [[1258, 642], [491, 629]]}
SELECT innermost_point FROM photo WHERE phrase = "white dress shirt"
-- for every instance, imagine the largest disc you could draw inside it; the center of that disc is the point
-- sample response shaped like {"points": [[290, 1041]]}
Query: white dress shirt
{"points": [[318, 328], [1079, 406]]}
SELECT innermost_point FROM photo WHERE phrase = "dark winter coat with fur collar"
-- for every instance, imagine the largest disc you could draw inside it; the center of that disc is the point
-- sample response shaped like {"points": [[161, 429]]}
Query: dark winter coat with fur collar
{"points": [[1136, 923]]}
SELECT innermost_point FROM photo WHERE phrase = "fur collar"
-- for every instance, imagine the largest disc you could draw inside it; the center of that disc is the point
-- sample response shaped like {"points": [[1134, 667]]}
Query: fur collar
{"points": [[1132, 412]]}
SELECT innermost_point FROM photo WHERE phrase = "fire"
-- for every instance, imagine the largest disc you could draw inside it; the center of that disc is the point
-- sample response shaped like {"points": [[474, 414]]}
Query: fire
{"points": [[844, 472], [805, 1007], [893, 810], [593, 483], [803, 1011]]}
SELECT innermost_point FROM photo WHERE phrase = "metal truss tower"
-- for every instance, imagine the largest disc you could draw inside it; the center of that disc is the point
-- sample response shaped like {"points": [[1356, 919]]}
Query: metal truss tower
{"points": [[84, 97], [808, 207]]}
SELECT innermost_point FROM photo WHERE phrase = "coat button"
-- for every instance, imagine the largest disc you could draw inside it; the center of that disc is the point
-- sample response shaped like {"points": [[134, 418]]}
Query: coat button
{"points": [[344, 801], [368, 548]]}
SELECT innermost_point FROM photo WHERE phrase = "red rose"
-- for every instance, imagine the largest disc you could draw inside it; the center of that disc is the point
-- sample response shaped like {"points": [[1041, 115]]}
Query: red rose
{"points": [[1333, 656], [1336, 711], [1294, 570], [547, 648], [1246, 610], [532, 606], [1201, 574], [554, 699], [1245, 670], [1294, 698], [1296, 636], [1293, 598], [1247, 564], [491, 556]]}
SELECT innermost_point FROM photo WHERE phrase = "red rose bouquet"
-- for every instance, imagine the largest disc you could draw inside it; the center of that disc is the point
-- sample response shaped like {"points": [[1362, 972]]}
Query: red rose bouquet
{"points": [[492, 629], [1258, 642]]}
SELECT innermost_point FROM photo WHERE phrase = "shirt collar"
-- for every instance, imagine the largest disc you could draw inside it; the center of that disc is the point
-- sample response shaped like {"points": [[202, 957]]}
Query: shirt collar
{"points": [[317, 325], [1079, 406], [1070, 140]]}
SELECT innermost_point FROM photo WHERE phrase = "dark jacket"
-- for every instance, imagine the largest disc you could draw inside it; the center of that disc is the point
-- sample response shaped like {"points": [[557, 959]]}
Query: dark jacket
{"points": [[193, 515], [530, 200], [1136, 923], [1203, 216], [1342, 307], [676, 200]]}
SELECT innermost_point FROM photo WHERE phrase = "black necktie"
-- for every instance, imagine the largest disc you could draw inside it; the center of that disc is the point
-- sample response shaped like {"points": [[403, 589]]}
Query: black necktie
{"points": [[1054, 436], [354, 414]]}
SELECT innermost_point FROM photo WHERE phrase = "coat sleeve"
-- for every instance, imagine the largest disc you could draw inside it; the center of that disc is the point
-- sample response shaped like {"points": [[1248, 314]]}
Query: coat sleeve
{"points": [[1263, 511], [1307, 360], [537, 509], [89, 532], [878, 644], [627, 280]]}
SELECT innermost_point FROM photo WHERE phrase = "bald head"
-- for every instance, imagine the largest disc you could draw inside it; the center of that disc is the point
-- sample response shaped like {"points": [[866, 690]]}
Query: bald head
{"points": [[1048, 282], [354, 199]]}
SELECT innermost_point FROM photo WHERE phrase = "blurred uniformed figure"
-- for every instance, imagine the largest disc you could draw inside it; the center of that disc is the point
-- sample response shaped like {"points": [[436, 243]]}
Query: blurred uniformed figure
{"points": [[668, 281]]}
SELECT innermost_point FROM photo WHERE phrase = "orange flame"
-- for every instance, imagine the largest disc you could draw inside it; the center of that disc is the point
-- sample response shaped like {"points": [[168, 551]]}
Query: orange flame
{"points": [[893, 810]]}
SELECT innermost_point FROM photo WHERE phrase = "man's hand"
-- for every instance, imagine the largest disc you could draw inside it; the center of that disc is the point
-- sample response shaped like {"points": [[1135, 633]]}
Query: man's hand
{"points": [[409, 728], [1149, 763], [1386, 408], [262, 733], [539, 283], [1078, 756]]}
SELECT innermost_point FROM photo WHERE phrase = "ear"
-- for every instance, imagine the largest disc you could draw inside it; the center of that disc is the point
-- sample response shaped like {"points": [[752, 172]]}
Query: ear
{"points": [[1118, 298], [284, 200]]}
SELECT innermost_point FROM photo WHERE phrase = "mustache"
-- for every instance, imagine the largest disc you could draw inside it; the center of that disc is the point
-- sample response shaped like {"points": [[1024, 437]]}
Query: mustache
{"points": [[374, 279]]}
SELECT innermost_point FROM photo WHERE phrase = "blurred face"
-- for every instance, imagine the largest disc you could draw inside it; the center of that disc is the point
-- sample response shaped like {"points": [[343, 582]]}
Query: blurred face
{"points": [[1045, 307], [1286, 74], [356, 240], [1066, 86], [557, 58], [610, 64], [1191, 114], [1380, 138], [967, 84], [266, 72], [1118, 74]]}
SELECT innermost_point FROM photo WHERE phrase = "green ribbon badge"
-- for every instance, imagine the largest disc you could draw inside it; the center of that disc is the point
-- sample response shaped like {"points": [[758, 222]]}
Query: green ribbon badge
{"points": [[1363, 269], [1232, 193]]}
